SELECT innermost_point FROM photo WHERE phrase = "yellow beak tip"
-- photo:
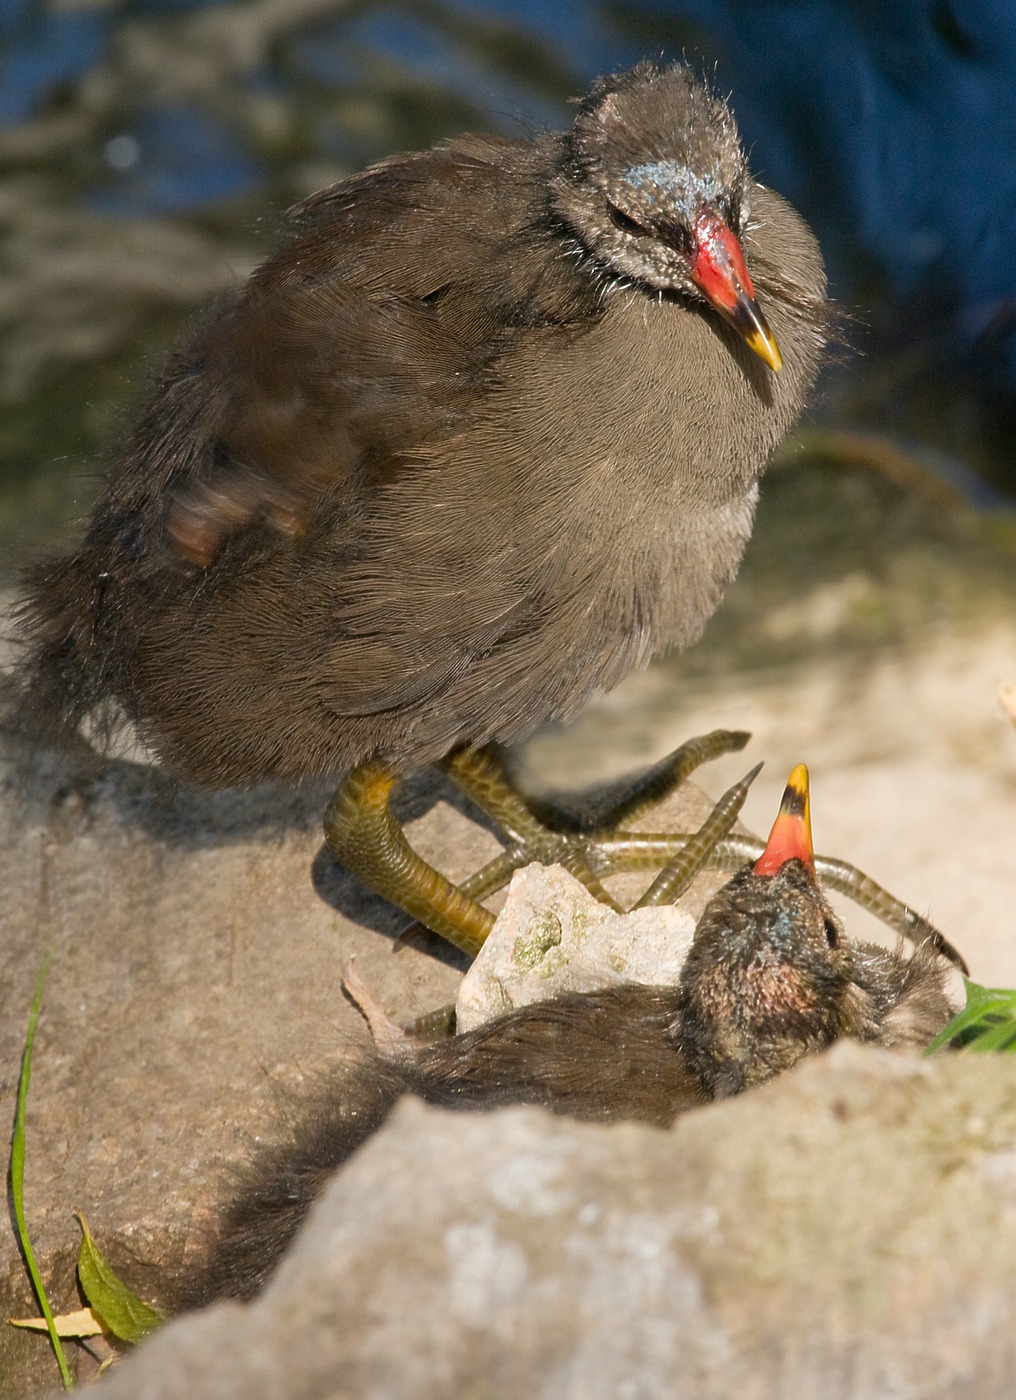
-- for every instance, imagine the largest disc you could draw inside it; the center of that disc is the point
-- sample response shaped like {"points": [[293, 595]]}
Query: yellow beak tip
{"points": [[766, 349], [799, 778]]}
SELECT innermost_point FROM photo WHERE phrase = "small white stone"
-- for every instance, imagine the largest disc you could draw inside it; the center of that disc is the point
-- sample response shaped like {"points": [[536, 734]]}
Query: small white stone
{"points": [[552, 937]]}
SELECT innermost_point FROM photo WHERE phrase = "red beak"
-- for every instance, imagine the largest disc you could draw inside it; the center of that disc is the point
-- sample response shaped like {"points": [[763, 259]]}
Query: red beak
{"points": [[720, 273], [790, 838]]}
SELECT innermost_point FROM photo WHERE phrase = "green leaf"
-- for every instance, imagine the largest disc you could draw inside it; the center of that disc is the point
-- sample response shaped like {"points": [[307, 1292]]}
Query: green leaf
{"points": [[122, 1312], [992, 1035], [986, 1023], [18, 1178]]}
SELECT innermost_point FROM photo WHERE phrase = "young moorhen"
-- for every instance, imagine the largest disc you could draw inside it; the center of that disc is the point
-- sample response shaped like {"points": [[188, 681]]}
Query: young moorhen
{"points": [[481, 438]]}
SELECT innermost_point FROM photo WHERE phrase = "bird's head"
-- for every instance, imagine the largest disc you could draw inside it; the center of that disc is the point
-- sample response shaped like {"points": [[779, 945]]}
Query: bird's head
{"points": [[654, 185], [769, 977]]}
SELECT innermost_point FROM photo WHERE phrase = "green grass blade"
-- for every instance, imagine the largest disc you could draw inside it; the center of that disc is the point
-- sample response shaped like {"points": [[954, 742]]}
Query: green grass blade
{"points": [[17, 1171]]}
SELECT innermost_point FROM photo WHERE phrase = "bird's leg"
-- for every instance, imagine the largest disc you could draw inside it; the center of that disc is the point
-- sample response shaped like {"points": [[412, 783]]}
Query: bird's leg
{"points": [[480, 774], [583, 846], [394, 1042], [365, 837], [432, 1025], [697, 852], [863, 890], [659, 781], [390, 1039]]}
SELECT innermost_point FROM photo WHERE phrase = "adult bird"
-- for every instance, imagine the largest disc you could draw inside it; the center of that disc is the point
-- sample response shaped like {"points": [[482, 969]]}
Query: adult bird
{"points": [[483, 436]]}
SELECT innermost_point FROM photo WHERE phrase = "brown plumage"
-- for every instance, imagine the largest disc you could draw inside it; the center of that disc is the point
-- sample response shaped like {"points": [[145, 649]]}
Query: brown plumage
{"points": [[770, 977], [481, 438]]}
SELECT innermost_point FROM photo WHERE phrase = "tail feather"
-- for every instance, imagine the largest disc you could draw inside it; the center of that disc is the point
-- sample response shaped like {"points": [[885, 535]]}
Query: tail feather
{"points": [[60, 677], [72, 625]]}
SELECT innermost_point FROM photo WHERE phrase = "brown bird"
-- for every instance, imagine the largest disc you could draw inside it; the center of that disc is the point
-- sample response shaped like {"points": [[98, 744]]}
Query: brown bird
{"points": [[770, 977], [481, 438]]}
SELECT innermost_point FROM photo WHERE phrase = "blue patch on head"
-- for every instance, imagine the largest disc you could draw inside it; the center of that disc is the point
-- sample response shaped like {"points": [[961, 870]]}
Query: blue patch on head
{"points": [[675, 182], [783, 932]]}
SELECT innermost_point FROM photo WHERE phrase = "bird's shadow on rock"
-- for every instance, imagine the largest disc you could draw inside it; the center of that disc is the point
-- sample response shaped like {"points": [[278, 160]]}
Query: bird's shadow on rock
{"points": [[93, 787], [74, 789]]}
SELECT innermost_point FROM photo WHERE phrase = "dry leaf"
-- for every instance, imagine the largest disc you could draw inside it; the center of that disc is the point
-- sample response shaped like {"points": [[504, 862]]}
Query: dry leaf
{"points": [[83, 1323]]}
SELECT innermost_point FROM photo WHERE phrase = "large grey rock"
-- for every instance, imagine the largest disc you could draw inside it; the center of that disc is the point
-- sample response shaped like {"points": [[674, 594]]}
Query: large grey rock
{"points": [[198, 944], [849, 1230]]}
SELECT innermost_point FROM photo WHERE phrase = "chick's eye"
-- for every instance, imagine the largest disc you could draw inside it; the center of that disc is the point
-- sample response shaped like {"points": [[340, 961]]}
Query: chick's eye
{"points": [[625, 222], [832, 933]]}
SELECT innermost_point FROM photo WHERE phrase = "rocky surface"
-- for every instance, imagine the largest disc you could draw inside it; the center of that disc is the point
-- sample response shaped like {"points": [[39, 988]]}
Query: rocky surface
{"points": [[849, 1230], [195, 989], [198, 948]]}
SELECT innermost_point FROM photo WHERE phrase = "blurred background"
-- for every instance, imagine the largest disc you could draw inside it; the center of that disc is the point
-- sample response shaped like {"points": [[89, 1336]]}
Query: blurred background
{"points": [[149, 147]]}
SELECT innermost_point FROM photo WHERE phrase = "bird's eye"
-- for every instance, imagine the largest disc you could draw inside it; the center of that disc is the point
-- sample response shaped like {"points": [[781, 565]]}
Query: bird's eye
{"points": [[625, 222], [832, 933]]}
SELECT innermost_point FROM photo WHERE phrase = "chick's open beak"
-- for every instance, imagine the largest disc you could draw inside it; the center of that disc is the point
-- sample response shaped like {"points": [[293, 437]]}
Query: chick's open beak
{"points": [[720, 273], [790, 838]]}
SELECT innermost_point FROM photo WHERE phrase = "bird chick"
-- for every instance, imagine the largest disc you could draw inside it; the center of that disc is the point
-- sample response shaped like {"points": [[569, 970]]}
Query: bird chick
{"points": [[770, 977]]}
